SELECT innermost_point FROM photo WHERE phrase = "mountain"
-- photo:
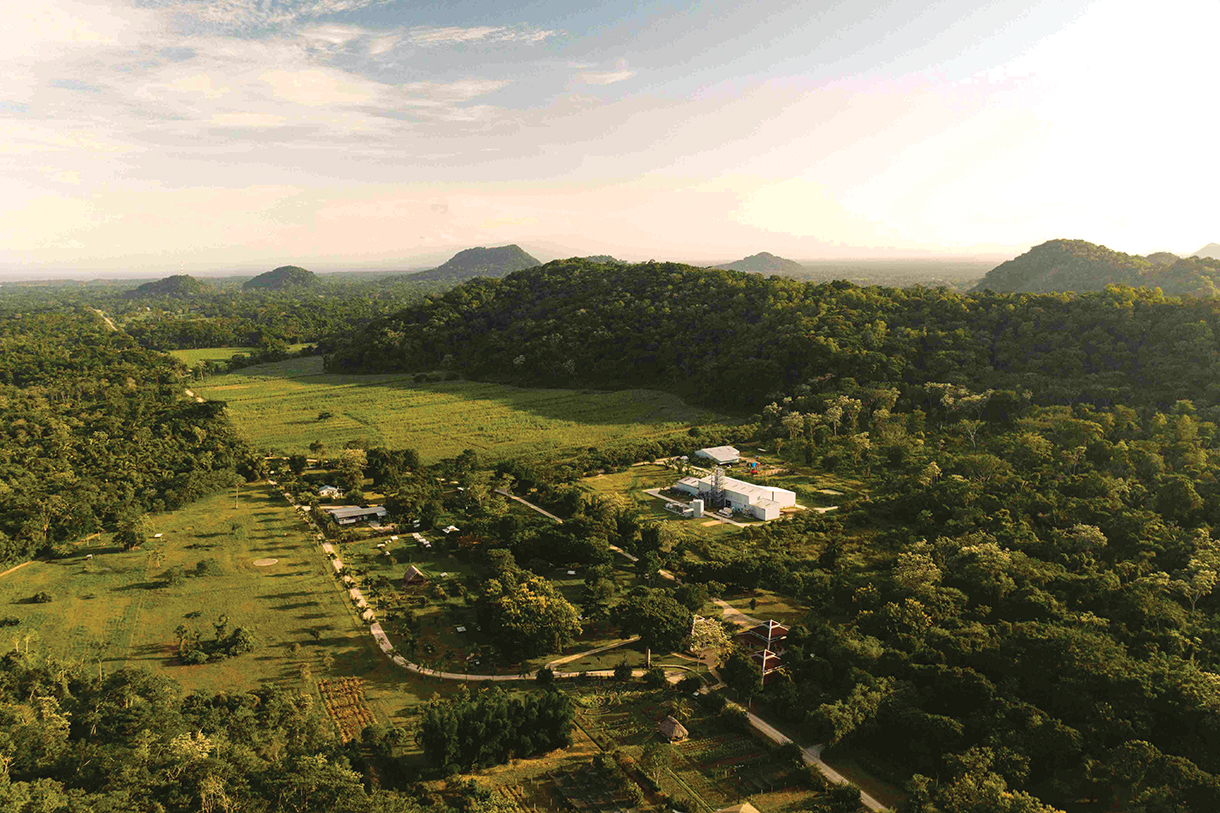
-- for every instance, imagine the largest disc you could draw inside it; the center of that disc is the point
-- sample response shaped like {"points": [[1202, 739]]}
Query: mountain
{"points": [[286, 276], [1080, 266], [765, 263], [181, 285], [1211, 250], [480, 262]]}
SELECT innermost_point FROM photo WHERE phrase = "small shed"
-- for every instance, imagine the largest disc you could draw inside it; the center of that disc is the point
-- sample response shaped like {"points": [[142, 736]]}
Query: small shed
{"points": [[672, 730], [414, 578]]}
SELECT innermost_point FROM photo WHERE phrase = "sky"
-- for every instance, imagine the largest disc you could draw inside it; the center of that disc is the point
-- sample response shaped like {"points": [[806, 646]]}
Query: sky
{"points": [[148, 137]]}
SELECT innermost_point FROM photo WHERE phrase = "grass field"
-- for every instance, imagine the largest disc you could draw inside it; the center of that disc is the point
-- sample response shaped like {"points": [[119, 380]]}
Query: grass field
{"points": [[198, 354], [277, 406], [117, 610]]}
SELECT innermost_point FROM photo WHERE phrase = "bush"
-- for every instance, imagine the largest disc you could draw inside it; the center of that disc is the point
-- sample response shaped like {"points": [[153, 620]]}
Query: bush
{"points": [[734, 717], [689, 684], [622, 671], [9, 621], [546, 676], [713, 701], [654, 678], [42, 598]]}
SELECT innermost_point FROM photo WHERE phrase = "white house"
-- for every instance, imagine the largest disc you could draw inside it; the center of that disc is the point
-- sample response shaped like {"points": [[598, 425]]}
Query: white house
{"points": [[329, 491], [720, 455], [762, 502]]}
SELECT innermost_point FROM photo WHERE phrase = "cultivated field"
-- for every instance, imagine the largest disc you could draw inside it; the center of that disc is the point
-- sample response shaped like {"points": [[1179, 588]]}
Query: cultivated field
{"points": [[278, 407], [118, 609]]}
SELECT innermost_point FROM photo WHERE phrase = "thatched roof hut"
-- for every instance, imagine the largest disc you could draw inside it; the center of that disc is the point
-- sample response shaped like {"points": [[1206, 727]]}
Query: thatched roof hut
{"points": [[672, 730]]}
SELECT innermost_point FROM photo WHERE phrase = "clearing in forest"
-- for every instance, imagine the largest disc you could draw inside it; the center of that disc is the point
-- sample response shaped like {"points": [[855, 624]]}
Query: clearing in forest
{"points": [[281, 406], [112, 609]]}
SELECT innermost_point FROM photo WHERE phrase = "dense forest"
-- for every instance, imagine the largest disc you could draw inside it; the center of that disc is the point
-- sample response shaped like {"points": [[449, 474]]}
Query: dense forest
{"points": [[739, 341], [96, 432], [1021, 610]]}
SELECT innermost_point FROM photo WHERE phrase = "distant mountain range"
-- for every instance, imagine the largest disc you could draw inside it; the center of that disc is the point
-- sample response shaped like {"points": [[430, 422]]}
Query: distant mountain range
{"points": [[286, 276], [1211, 250], [765, 263], [480, 262], [179, 285], [1077, 265]]}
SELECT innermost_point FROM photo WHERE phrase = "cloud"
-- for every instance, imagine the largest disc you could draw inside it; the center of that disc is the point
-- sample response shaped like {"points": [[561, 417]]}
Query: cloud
{"points": [[606, 78]]}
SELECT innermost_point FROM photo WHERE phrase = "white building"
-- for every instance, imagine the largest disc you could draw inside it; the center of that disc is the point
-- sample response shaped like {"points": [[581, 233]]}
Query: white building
{"points": [[720, 455], [351, 514], [761, 502]]}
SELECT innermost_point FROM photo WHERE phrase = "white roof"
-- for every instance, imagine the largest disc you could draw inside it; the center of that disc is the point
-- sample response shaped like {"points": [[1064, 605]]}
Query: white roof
{"points": [[719, 452], [754, 493], [350, 511]]}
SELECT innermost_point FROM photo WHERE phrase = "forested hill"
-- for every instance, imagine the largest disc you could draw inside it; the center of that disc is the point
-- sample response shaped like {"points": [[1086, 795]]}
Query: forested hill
{"points": [[1077, 265], [740, 340], [765, 263], [286, 276], [480, 262], [179, 285]]}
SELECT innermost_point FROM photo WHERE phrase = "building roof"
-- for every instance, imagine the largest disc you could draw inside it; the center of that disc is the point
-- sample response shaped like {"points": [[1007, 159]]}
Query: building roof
{"points": [[414, 576], [355, 511], [671, 729], [744, 807], [719, 453], [767, 659], [754, 493]]}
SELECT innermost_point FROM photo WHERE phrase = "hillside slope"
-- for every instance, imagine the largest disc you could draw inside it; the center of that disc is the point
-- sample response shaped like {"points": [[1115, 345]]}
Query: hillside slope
{"points": [[742, 340], [480, 262], [286, 276], [179, 285], [765, 263], [1080, 266], [1211, 250]]}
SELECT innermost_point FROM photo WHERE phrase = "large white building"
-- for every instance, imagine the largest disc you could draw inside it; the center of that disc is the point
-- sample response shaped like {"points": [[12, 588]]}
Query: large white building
{"points": [[720, 455], [762, 502]]}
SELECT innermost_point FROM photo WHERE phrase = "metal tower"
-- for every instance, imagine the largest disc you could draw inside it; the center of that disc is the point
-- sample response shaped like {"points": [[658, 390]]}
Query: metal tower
{"points": [[718, 488]]}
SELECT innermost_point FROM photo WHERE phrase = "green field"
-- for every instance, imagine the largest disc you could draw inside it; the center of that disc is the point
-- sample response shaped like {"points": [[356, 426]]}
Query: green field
{"points": [[117, 610], [195, 355], [277, 407]]}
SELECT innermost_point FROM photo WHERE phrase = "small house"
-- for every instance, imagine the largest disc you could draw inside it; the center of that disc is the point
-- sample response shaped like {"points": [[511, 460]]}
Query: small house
{"points": [[329, 492], [672, 730], [414, 578]]}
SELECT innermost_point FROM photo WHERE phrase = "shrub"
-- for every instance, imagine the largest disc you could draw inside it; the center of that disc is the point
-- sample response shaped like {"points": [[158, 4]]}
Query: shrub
{"points": [[622, 671], [9, 621], [654, 678], [689, 684], [42, 598], [546, 676]]}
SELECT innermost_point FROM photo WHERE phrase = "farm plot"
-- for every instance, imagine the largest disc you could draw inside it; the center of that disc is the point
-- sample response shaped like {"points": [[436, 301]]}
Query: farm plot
{"points": [[717, 766], [344, 702], [290, 404]]}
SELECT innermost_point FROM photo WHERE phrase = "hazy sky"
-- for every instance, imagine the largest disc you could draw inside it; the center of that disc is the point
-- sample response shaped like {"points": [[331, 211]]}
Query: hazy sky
{"points": [[165, 135]]}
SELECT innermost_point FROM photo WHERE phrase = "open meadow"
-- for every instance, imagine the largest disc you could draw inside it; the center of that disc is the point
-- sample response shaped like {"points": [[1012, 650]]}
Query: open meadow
{"points": [[121, 609], [194, 355], [278, 406]]}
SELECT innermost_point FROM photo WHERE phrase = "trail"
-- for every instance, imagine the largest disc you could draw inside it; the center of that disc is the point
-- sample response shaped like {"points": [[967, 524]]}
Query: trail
{"points": [[529, 504], [18, 567]]}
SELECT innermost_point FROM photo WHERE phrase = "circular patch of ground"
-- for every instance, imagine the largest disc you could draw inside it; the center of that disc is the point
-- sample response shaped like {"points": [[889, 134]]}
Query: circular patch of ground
{"points": [[265, 562]]}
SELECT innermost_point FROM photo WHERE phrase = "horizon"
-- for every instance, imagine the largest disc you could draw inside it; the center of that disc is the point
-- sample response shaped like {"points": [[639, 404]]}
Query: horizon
{"points": [[152, 137]]}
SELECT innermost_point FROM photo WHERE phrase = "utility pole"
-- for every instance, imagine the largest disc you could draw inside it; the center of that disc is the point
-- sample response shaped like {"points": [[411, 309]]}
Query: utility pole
{"points": [[236, 490]]}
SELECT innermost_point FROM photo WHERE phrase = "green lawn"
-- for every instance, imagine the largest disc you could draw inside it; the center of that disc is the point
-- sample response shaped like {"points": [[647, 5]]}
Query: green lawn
{"points": [[116, 610], [278, 406]]}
